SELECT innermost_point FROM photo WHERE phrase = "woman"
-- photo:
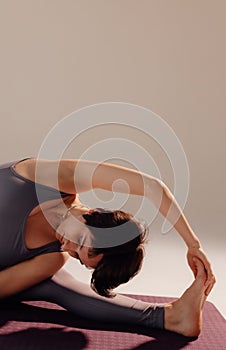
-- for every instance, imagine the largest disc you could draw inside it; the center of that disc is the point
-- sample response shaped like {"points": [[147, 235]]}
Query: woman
{"points": [[41, 227]]}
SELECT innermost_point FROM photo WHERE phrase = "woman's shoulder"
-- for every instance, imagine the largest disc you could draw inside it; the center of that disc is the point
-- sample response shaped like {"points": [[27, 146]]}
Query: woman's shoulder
{"points": [[51, 173], [24, 168]]}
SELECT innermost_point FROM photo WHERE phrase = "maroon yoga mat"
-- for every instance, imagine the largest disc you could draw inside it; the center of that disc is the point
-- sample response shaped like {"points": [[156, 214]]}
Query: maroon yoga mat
{"points": [[42, 326]]}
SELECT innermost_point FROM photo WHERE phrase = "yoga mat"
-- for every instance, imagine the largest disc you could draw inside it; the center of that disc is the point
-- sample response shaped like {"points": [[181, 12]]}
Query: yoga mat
{"points": [[47, 326]]}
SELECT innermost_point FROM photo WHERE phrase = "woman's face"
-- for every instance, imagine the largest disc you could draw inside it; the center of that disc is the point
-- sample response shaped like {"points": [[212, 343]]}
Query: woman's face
{"points": [[76, 238]]}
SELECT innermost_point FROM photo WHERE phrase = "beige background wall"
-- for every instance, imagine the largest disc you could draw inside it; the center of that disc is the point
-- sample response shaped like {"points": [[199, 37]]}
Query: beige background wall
{"points": [[168, 56]]}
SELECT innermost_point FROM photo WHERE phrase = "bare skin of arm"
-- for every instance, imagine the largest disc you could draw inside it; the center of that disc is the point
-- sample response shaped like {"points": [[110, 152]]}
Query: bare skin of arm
{"points": [[26, 274], [77, 176]]}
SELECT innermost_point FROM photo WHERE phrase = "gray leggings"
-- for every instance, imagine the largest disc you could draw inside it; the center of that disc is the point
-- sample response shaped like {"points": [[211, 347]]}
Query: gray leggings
{"points": [[80, 299]]}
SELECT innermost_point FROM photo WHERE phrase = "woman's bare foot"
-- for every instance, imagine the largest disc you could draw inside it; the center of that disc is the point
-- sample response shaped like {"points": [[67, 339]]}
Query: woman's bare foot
{"points": [[184, 316]]}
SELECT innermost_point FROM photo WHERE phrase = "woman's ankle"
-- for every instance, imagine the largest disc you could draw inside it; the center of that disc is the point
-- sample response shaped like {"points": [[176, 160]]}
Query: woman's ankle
{"points": [[176, 320]]}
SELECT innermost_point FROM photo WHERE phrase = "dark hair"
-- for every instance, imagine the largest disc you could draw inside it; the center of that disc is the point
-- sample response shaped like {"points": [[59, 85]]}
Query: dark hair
{"points": [[122, 247]]}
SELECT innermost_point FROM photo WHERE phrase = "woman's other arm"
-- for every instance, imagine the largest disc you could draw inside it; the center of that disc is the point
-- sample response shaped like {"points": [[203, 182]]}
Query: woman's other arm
{"points": [[21, 276]]}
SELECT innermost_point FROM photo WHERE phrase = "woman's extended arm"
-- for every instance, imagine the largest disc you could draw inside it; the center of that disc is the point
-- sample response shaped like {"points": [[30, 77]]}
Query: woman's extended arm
{"points": [[76, 176]]}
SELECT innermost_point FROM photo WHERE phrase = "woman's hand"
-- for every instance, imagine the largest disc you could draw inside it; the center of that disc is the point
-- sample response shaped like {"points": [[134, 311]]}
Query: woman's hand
{"points": [[197, 252]]}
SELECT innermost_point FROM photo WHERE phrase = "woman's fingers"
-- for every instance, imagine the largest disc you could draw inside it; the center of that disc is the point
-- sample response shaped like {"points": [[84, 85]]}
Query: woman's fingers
{"points": [[211, 283], [210, 275], [200, 254], [210, 286]]}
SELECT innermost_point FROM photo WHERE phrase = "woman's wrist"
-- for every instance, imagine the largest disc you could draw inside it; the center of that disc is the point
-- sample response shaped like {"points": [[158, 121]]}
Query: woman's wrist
{"points": [[195, 243], [159, 194]]}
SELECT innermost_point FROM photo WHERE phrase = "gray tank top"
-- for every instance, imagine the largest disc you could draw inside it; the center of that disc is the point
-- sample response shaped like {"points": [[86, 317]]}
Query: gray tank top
{"points": [[17, 199]]}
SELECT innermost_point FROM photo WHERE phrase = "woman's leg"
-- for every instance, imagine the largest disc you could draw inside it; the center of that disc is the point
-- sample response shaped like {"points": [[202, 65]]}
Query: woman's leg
{"points": [[183, 316], [77, 297]]}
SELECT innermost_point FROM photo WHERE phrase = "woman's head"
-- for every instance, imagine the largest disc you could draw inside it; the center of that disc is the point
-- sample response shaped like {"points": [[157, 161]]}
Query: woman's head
{"points": [[76, 238], [110, 242], [118, 238]]}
